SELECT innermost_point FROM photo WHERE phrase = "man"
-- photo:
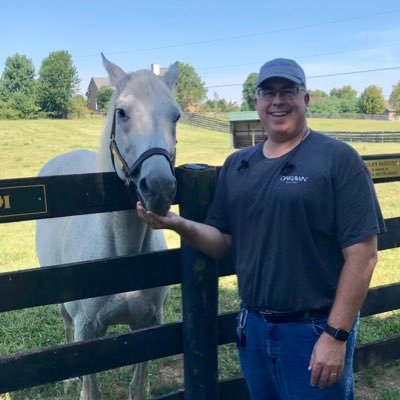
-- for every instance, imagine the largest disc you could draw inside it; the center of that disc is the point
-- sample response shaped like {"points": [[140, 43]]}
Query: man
{"points": [[300, 214]]}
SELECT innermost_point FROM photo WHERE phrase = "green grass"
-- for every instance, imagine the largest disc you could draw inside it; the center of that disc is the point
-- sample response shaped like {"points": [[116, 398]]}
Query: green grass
{"points": [[26, 145]]}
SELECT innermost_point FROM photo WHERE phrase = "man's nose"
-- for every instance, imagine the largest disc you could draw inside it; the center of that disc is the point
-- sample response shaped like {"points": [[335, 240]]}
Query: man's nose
{"points": [[278, 98]]}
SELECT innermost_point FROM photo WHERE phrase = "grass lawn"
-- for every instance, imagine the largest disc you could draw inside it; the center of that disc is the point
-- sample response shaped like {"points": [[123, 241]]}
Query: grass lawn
{"points": [[26, 145]]}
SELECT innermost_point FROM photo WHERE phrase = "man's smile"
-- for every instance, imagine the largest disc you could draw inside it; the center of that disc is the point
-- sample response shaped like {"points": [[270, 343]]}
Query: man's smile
{"points": [[279, 113]]}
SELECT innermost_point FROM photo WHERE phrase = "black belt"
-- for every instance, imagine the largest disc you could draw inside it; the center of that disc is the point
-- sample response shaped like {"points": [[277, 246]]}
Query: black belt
{"points": [[291, 316]]}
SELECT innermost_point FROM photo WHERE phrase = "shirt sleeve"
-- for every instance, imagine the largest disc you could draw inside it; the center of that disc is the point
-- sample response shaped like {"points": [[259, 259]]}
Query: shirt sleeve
{"points": [[358, 214], [217, 215]]}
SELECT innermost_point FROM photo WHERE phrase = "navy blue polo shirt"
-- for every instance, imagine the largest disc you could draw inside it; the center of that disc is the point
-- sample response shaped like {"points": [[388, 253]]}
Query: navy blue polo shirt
{"points": [[290, 218]]}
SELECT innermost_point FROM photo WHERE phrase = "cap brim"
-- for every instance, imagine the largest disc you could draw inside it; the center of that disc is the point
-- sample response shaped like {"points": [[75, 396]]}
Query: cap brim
{"points": [[282, 75]]}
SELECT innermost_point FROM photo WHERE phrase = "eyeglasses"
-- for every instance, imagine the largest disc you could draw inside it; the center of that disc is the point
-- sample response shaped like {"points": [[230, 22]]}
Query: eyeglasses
{"points": [[285, 93]]}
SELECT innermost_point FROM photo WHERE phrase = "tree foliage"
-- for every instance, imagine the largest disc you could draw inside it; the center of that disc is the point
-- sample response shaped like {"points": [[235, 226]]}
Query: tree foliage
{"points": [[190, 89], [78, 106], [248, 92], [57, 84], [324, 105], [317, 93], [395, 97], [372, 100], [103, 97], [346, 92], [18, 76], [220, 105]]}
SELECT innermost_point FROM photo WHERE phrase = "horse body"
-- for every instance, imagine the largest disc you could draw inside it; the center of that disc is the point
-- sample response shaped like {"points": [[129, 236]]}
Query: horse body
{"points": [[143, 115]]}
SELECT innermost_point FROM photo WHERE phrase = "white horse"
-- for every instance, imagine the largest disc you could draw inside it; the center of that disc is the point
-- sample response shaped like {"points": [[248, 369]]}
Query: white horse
{"points": [[138, 143]]}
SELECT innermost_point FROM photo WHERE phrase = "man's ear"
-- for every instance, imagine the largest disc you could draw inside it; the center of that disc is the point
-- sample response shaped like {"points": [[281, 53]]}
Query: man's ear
{"points": [[307, 98]]}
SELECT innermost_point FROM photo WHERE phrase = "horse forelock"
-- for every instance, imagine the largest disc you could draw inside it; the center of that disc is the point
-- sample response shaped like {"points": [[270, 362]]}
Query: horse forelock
{"points": [[145, 85]]}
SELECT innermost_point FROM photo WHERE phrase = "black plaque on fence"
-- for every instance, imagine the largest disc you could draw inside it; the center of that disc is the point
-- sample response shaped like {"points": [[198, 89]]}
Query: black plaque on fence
{"points": [[64, 195], [23, 200]]}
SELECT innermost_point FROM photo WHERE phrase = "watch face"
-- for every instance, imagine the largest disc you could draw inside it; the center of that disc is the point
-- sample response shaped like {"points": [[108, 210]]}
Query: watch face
{"points": [[342, 335]]}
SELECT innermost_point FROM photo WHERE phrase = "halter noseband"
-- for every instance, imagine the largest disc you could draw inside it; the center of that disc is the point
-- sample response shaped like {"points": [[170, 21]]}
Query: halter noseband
{"points": [[130, 170]]}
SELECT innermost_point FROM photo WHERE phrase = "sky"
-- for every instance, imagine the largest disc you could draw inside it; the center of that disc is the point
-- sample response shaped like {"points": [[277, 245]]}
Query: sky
{"points": [[224, 41]]}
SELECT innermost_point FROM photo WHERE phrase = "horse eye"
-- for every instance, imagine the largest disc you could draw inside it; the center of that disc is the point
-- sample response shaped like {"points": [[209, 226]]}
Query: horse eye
{"points": [[178, 118], [121, 113]]}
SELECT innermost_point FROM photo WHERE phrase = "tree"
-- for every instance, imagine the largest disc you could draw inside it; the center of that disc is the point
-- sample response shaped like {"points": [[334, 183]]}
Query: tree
{"points": [[78, 106], [18, 76], [395, 97], [220, 105], [248, 92], [58, 82], [24, 105], [372, 100], [317, 93], [325, 105], [346, 92], [189, 88], [103, 97]]}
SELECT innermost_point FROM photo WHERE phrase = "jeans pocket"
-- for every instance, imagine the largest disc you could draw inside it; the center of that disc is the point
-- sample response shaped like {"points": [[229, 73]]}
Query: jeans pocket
{"points": [[319, 326]]}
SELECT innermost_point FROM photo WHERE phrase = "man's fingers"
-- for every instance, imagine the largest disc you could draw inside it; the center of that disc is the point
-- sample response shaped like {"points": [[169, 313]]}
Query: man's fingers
{"points": [[324, 378], [315, 374]]}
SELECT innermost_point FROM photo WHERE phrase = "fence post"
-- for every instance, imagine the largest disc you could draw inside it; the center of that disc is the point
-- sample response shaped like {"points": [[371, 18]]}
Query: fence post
{"points": [[196, 185]]}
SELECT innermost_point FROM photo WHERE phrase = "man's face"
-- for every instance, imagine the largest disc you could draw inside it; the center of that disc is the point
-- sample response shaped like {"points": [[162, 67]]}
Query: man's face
{"points": [[281, 105]]}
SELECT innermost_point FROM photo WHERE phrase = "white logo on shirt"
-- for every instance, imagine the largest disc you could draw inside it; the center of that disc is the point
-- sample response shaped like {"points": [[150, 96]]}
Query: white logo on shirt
{"points": [[293, 179]]}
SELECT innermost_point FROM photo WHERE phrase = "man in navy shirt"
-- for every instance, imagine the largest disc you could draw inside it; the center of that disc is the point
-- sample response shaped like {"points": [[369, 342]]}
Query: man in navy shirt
{"points": [[300, 214]]}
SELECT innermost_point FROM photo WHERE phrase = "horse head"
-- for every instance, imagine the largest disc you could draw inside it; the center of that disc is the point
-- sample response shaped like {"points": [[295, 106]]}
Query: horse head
{"points": [[141, 122]]}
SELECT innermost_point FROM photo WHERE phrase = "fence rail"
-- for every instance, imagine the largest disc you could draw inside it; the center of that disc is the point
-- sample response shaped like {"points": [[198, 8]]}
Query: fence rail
{"points": [[244, 136], [205, 122], [201, 330]]}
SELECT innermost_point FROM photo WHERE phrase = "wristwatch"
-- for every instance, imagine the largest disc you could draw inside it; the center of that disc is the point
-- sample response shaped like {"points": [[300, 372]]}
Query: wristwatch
{"points": [[338, 334]]}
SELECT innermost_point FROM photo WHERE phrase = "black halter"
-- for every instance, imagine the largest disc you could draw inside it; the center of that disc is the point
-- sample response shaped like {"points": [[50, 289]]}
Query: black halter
{"points": [[130, 170]]}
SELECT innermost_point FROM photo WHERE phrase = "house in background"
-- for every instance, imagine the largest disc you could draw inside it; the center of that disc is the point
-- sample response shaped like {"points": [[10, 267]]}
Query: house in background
{"points": [[96, 83], [390, 111]]}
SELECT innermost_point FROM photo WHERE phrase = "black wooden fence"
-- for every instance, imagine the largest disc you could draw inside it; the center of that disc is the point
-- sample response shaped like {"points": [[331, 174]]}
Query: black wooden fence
{"points": [[201, 330]]}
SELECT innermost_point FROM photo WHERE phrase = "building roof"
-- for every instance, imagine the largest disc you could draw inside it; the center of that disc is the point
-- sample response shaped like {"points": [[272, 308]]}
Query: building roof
{"points": [[243, 116], [101, 81]]}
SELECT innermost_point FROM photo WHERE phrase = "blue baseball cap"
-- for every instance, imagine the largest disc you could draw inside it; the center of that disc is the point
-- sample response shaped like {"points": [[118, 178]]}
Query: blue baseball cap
{"points": [[282, 68]]}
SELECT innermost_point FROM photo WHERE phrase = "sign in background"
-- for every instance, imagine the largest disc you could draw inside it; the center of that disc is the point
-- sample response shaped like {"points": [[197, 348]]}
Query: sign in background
{"points": [[384, 168]]}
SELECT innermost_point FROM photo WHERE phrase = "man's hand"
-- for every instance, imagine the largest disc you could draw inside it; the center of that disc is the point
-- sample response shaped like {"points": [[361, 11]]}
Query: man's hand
{"points": [[155, 221], [327, 361]]}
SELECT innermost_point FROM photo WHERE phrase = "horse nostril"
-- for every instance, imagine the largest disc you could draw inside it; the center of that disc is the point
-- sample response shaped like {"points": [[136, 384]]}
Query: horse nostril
{"points": [[143, 186]]}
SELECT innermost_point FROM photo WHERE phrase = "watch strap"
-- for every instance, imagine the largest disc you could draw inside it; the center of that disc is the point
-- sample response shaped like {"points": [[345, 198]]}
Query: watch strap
{"points": [[338, 334]]}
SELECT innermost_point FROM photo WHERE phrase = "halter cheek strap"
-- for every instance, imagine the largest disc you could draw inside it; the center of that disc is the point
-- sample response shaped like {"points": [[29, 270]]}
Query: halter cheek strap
{"points": [[130, 170]]}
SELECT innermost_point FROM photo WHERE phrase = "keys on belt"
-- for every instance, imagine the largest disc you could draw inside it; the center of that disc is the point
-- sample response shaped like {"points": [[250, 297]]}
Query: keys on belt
{"points": [[241, 324]]}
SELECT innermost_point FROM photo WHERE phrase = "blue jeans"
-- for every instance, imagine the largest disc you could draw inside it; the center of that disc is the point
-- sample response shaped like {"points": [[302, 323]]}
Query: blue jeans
{"points": [[275, 358]]}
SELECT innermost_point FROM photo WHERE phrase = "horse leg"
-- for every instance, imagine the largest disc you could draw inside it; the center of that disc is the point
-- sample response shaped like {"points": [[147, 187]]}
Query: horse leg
{"points": [[139, 387], [68, 323], [85, 330], [70, 385]]}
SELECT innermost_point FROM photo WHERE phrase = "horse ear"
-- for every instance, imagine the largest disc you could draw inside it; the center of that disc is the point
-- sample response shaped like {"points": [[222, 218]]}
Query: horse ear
{"points": [[115, 73], [171, 75]]}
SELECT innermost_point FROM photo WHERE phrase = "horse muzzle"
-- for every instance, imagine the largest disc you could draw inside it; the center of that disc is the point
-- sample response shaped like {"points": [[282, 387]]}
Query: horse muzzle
{"points": [[155, 182], [157, 193]]}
